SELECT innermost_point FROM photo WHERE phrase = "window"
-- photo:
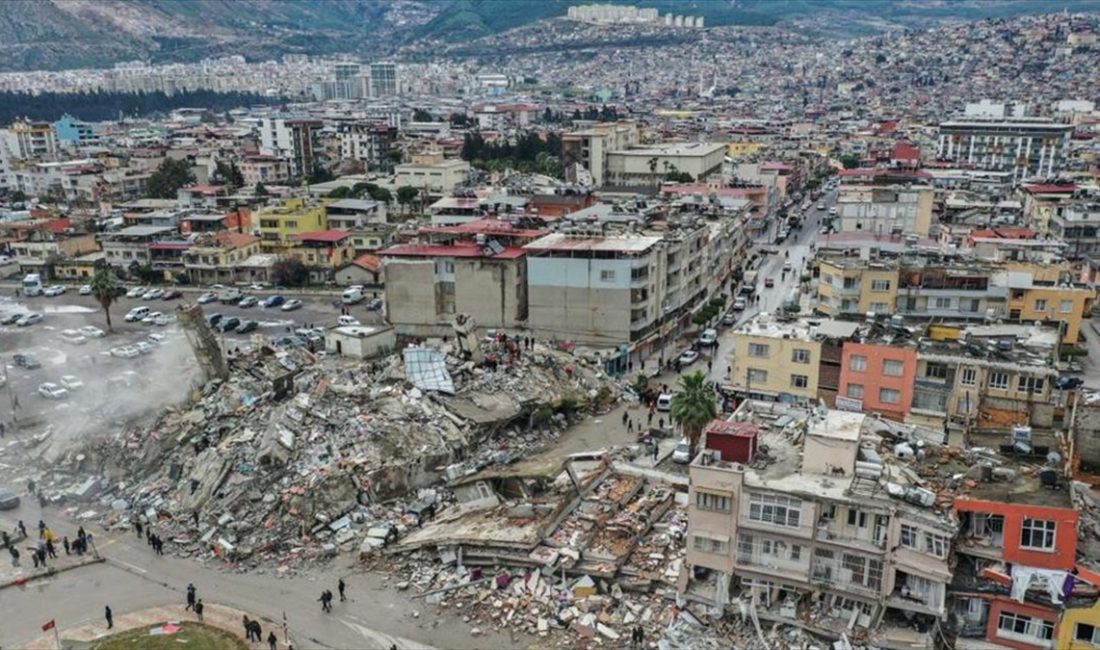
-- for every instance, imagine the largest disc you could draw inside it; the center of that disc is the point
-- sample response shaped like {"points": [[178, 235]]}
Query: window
{"points": [[1038, 534], [943, 303], [935, 545], [889, 396], [908, 536], [758, 376], [855, 391], [858, 363], [1066, 307], [607, 276], [1030, 385], [716, 502], [1011, 625], [1086, 633], [998, 380], [969, 376], [759, 350], [710, 545], [857, 518], [1040, 304], [798, 355], [796, 552], [893, 368], [878, 286], [863, 571], [879, 307], [799, 381], [935, 370], [779, 510]]}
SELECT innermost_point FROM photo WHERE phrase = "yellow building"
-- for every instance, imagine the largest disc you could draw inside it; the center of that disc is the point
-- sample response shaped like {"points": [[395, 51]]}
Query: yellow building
{"points": [[1070, 305], [1079, 628], [743, 149], [775, 359], [280, 224], [847, 286]]}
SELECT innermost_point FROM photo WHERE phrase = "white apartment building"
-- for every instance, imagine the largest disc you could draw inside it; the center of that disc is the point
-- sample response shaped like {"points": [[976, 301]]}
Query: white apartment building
{"points": [[649, 165], [1029, 147], [586, 151], [437, 178]]}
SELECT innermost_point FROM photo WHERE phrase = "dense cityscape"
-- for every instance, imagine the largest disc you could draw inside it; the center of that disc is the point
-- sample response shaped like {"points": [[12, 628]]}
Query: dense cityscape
{"points": [[650, 325]]}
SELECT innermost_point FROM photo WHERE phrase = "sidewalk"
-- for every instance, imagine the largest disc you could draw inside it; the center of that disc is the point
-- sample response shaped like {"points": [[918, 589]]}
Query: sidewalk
{"points": [[220, 616], [13, 576]]}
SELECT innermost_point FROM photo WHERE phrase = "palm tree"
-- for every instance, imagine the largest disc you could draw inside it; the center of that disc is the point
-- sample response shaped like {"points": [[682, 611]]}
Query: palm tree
{"points": [[106, 289], [693, 406]]}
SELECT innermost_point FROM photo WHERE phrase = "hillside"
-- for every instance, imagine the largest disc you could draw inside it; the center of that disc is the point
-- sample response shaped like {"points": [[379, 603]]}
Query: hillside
{"points": [[55, 34]]}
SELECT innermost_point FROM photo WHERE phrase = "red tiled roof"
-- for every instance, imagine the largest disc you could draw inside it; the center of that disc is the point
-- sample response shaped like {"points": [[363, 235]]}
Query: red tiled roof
{"points": [[58, 226], [463, 249], [231, 239], [368, 262], [905, 151], [331, 236]]}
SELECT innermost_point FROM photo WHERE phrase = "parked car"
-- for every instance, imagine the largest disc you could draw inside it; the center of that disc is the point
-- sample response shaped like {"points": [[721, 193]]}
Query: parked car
{"points": [[85, 290], [230, 296], [125, 352], [374, 305], [257, 286], [144, 348], [739, 303], [92, 332], [29, 319], [212, 319], [247, 326], [729, 319], [274, 301], [10, 319], [70, 382], [820, 206], [26, 361], [73, 337], [228, 324], [288, 342], [164, 319], [292, 305], [708, 338], [664, 402], [153, 294], [172, 294], [8, 500], [248, 301], [151, 317], [682, 453], [52, 391], [136, 292], [689, 357], [136, 314], [209, 296], [1066, 382], [347, 320], [769, 283]]}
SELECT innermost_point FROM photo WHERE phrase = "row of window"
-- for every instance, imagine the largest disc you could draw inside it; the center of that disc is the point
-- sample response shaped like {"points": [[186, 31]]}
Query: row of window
{"points": [[763, 351], [922, 540], [759, 376], [885, 395], [890, 367]]}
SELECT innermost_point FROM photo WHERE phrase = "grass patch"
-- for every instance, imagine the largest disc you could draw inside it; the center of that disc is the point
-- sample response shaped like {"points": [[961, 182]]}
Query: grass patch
{"points": [[192, 636]]}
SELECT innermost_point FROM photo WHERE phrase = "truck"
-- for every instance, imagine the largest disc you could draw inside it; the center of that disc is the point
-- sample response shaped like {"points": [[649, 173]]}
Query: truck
{"points": [[748, 283], [32, 285]]}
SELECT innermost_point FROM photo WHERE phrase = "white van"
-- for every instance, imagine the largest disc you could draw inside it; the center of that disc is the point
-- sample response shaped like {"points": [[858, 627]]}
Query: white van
{"points": [[353, 295], [664, 402], [137, 313]]}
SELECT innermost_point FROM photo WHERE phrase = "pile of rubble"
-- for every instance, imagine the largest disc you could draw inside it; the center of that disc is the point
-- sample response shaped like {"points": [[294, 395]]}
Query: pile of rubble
{"points": [[295, 457]]}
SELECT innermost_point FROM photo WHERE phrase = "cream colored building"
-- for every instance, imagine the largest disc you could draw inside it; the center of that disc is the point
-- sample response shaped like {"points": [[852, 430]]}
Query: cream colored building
{"points": [[650, 164], [885, 209], [588, 149], [435, 177], [775, 360]]}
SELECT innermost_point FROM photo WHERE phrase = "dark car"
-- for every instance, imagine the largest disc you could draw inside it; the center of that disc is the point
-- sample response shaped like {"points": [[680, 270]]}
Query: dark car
{"points": [[274, 301], [212, 319], [8, 500], [26, 361], [247, 326], [229, 324], [172, 294], [289, 342], [1065, 382], [374, 305]]}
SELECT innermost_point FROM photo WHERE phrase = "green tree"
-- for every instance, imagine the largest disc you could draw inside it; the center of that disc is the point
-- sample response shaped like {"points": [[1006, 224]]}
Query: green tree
{"points": [[18, 196], [260, 190], [289, 272], [340, 193], [406, 194], [320, 175], [421, 115], [693, 406], [851, 161], [106, 289], [168, 178], [381, 194]]}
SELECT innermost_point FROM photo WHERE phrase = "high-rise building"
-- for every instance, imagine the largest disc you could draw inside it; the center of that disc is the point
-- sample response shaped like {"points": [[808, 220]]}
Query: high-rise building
{"points": [[1029, 147], [383, 79], [293, 140]]}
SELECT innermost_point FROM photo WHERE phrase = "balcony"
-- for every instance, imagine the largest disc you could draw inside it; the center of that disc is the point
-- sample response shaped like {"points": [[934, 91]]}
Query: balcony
{"points": [[770, 565], [864, 543]]}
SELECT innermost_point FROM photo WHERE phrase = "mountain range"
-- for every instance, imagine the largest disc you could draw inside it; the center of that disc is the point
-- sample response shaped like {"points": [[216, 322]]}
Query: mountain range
{"points": [[59, 34]]}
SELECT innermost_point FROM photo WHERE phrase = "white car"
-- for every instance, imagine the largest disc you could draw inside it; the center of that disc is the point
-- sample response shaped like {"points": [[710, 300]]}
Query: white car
{"points": [[292, 304], [92, 332], [29, 319], [85, 290], [739, 303], [136, 292], [248, 301], [708, 337], [347, 320], [125, 352], [682, 453], [688, 357], [136, 314], [53, 290], [164, 319], [209, 296], [820, 206], [71, 382], [151, 317], [73, 337], [153, 294], [664, 402], [143, 347], [52, 391], [256, 286], [157, 337]]}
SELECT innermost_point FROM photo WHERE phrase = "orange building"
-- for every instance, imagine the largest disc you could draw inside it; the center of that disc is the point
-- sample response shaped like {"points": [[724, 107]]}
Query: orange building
{"points": [[877, 378]]}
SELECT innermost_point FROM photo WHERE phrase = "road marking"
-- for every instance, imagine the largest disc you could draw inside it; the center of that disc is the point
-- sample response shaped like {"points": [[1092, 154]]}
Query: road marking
{"points": [[130, 566]]}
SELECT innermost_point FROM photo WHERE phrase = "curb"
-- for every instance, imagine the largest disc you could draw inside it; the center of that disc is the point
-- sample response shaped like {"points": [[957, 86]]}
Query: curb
{"points": [[49, 573]]}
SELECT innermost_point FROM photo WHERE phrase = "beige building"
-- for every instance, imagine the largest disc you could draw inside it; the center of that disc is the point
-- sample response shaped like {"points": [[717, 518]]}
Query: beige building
{"points": [[885, 209], [776, 360], [649, 165], [853, 286], [585, 152], [435, 177]]}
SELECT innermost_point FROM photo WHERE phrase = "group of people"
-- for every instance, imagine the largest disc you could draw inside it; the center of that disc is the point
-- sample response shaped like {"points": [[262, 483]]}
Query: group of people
{"points": [[46, 547], [253, 632], [326, 596], [151, 538], [193, 601]]}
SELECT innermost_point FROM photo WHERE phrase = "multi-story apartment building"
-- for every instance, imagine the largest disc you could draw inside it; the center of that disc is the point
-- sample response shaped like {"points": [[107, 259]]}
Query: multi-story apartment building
{"points": [[322, 253], [283, 220], [807, 522], [213, 258], [648, 166], [133, 244], [1043, 200], [364, 221], [777, 360], [884, 202], [266, 170], [294, 140], [877, 375], [368, 142], [1077, 223], [585, 152], [31, 140], [435, 177], [1029, 147], [384, 80]]}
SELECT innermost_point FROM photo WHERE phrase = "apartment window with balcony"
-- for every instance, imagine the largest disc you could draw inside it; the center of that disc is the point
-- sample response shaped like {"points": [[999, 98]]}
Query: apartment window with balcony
{"points": [[855, 391], [909, 536], [889, 396], [1024, 628], [757, 376], [893, 368], [711, 545], [798, 355], [799, 381], [858, 363], [998, 380], [880, 286], [1038, 534], [712, 502], [774, 509], [935, 371], [943, 303], [1066, 307], [1029, 384], [1085, 633], [935, 545], [851, 283], [863, 571], [968, 377], [759, 350]]}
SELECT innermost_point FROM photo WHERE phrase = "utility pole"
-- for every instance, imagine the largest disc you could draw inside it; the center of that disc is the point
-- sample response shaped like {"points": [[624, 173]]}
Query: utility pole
{"points": [[11, 398]]}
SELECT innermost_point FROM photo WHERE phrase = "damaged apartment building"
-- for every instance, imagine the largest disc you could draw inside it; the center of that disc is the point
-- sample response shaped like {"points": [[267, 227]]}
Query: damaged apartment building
{"points": [[859, 530]]}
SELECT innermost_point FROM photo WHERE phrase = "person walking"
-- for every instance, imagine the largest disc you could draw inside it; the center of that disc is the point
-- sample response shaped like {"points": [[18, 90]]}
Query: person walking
{"points": [[22, 528], [340, 586], [198, 609], [137, 527], [65, 543], [630, 425], [190, 596], [109, 616], [257, 633], [50, 550], [247, 627], [14, 556], [272, 640], [625, 417]]}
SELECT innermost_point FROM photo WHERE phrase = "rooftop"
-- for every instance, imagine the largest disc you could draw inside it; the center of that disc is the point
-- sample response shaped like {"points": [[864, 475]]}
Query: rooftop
{"points": [[458, 249], [612, 243]]}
